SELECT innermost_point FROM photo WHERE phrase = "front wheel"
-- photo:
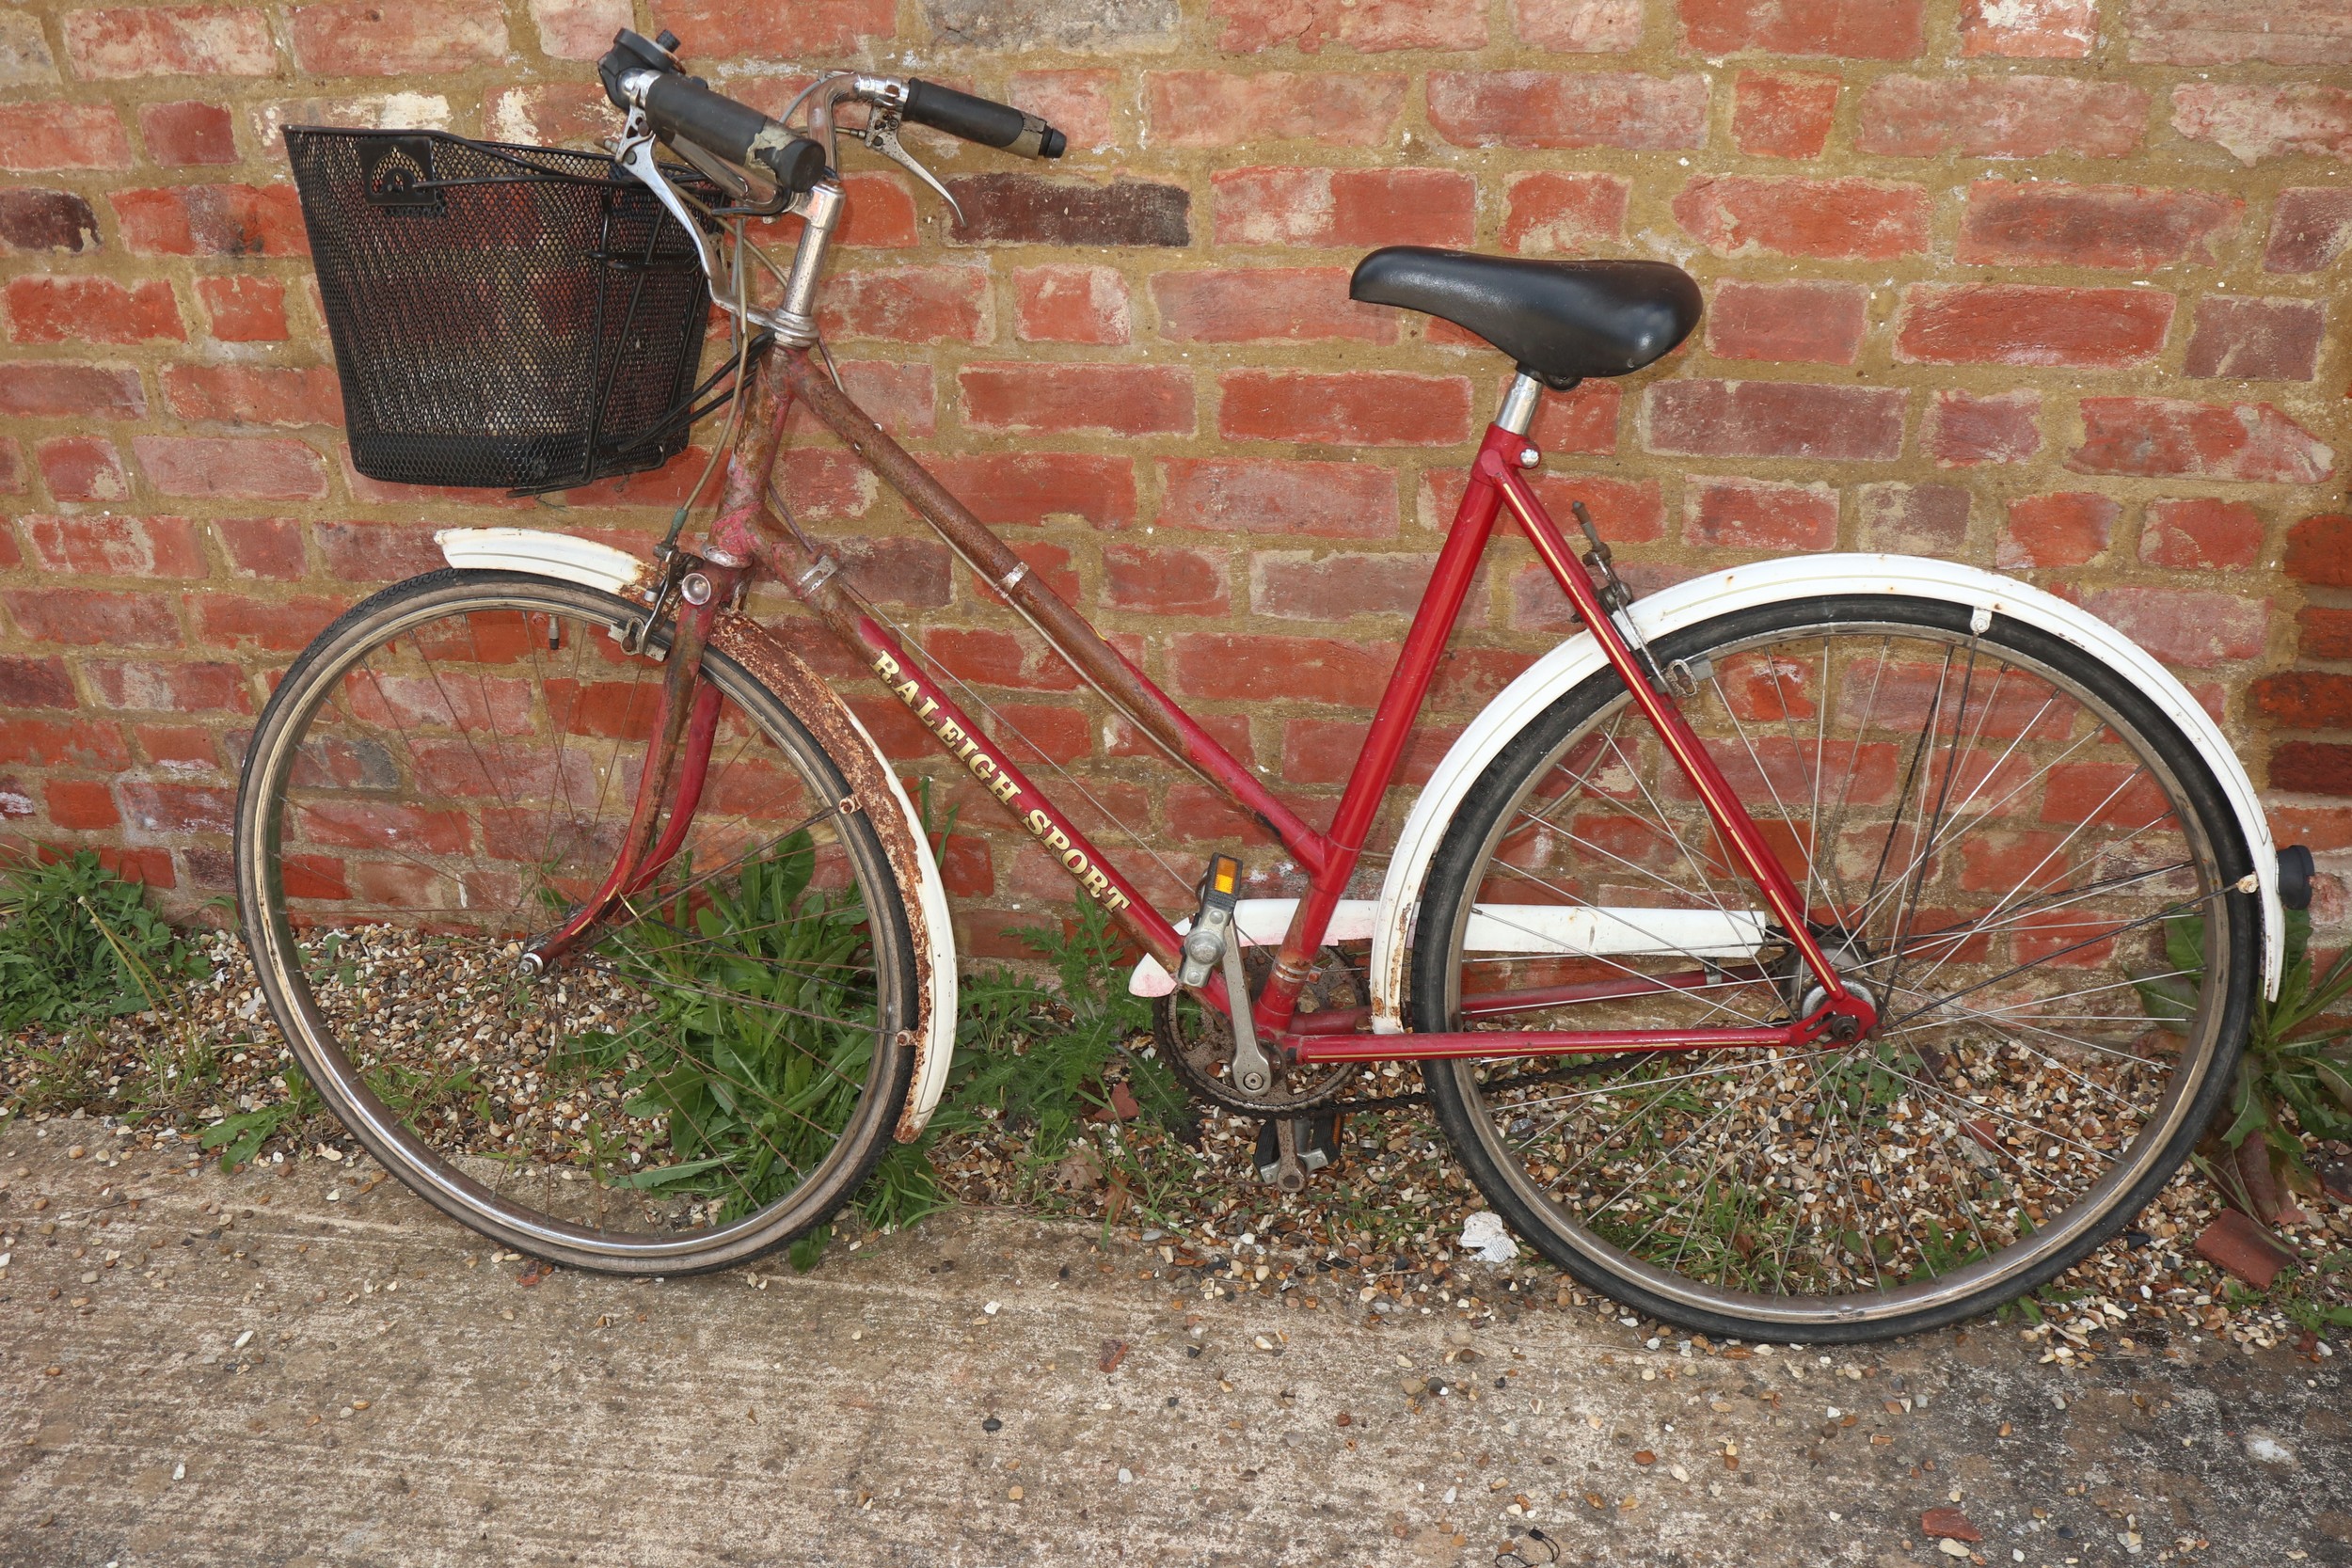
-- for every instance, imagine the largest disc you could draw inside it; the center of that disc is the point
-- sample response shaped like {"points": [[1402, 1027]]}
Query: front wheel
{"points": [[437, 783], [2025, 867]]}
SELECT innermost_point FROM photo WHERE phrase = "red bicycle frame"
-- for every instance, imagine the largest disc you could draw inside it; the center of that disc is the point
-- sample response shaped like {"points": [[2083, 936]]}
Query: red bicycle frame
{"points": [[747, 535]]}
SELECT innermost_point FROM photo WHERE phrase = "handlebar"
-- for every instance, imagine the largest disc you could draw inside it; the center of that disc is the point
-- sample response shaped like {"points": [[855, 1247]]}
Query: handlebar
{"points": [[982, 120], [682, 109]]}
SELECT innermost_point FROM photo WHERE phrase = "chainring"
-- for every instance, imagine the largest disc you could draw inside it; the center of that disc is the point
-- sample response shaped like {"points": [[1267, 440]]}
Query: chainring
{"points": [[1197, 1042]]}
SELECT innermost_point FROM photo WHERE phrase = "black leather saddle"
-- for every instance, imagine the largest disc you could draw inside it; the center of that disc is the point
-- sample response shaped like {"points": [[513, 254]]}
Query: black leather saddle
{"points": [[1562, 321]]}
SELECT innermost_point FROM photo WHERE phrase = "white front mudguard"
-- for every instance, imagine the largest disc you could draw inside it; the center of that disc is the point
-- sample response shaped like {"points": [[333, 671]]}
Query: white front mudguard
{"points": [[1768, 583]]}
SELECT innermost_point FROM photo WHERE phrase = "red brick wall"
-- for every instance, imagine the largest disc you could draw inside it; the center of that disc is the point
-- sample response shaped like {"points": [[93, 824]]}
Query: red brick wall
{"points": [[2044, 284]]}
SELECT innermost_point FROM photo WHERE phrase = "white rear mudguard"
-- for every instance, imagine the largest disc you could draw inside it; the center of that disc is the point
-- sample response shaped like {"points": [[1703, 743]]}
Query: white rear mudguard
{"points": [[1768, 583], [595, 565]]}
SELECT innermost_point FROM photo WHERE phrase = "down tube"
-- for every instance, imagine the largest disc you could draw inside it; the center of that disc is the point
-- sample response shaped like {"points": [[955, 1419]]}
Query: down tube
{"points": [[965, 742]]}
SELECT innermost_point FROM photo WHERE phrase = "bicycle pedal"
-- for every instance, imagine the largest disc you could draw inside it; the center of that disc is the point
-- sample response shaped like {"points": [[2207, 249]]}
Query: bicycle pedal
{"points": [[1288, 1148], [1212, 923]]}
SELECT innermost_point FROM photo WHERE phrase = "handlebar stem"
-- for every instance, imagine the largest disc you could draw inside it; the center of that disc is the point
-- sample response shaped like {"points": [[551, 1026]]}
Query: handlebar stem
{"points": [[794, 318]]}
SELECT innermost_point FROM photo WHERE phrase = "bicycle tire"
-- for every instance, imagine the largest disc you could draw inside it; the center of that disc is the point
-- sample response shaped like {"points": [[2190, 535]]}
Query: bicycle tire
{"points": [[303, 768], [1589, 1232]]}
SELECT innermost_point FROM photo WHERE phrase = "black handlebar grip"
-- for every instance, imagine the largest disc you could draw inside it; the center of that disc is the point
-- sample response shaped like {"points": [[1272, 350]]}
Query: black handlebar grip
{"points": [[978, 119], [682, 107]]}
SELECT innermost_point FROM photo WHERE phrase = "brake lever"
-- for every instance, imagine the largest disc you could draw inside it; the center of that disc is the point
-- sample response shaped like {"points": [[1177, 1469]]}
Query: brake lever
{"points": [[882, 136]]}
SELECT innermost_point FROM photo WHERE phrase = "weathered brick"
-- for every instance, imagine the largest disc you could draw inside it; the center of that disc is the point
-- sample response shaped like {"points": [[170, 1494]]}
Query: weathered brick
{"points": [[213, 220], [1078, 103], [236, 621], [1339, 587], [49, 309], [61, 136], [2047, 223], [82, 468], [254, 394], [1964, 428], [2272, 119], [356, 551], [2319, 551], [1338, 500], [80, 805], [1559, 213], [554, 112], [37, 681], [1323, 752], [1354, 208], [2026, 324], [12, 480], [2029, 29], [2070, 528], [1820, 322], [363, 37], [1769, 419], [2258, 339], [38, 220], [26, 60], [1029, 487], [1030, 209], [213, 465], [2304, 699], [62, 743], [85, 616], [2001, 117], [2200, 534], [1365, 409], [1123, 400], [2309, 227], [1582, 421], [1221, 109], [1542, 108], [1246, 305], [1864, 29], [1783, 113], [1626, 512], [1061, 303], [2312, 767], [154, 686], [579, 29], [1758, 515], [2279, 32], [263, 546], [913, 304], [51, 391], [1914, 519], [1849, 219], [2171, 436], [191, 132], [1367, 26], [1163, 579], [169, 40], [1579, 26], [108, 545], [1038, 25], [365, 111], [2190, 626], [1257, 669], [245, 309]]}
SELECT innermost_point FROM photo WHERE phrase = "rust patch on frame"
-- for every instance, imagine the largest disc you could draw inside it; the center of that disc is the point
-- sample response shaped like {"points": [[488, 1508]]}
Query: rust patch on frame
{"points": [[814, 704]]}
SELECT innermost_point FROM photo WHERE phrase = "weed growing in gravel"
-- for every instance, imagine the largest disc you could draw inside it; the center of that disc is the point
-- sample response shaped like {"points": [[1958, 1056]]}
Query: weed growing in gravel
{"points": [[78, 944], [2295, 1077]]}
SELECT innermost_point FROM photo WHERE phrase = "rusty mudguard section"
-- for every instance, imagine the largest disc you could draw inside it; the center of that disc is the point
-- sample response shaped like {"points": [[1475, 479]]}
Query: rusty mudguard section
{"points": [[853, 750]]}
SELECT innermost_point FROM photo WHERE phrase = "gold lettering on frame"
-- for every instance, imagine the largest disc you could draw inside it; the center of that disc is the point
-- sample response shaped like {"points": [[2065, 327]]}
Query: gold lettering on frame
{"points": [[993, 777]]}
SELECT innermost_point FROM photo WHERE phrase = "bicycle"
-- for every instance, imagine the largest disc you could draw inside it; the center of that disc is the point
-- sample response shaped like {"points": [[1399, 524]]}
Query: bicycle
{"points": [[1820, 949]]}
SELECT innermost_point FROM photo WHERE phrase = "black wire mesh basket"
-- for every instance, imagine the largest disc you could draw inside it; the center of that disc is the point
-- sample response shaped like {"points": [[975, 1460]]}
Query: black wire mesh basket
{"points": [[521, 317]]}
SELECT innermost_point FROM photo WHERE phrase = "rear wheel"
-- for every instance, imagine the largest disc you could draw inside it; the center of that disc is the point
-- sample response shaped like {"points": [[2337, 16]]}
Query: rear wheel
{"points": [[438, 781], [2022, 861]]}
